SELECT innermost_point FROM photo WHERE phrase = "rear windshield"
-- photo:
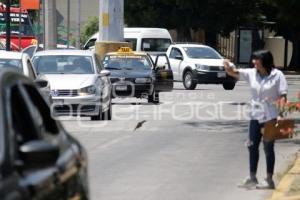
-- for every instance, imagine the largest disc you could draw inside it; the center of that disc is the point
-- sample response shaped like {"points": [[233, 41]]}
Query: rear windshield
{"points": [[63, 64], [155, 44], [13, 64], [127, 63]]}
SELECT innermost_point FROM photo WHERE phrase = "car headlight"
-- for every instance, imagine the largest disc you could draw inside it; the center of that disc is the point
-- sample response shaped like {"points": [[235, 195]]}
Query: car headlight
{"points": [[202, 67], [143, 80], [87, 90]]}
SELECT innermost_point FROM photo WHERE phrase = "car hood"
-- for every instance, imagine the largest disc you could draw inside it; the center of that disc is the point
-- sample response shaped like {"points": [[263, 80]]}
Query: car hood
{"points": [[72, 81], [209, 62], [130, 73]]}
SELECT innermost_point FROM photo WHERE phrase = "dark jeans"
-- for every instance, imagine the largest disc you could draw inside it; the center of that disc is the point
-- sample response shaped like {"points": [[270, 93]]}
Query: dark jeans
{"points": [[253, 146]]}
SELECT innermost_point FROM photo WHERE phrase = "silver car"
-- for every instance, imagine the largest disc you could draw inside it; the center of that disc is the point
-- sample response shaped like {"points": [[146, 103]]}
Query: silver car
{"points": [[79, 84], [21, 63]]}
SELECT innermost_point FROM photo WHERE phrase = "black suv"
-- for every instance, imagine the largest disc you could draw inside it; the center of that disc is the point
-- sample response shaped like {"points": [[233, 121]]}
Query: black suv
{"points": [[38, 158]]}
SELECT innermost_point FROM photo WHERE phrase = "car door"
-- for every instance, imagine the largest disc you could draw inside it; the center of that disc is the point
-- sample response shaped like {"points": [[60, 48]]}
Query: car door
{"points": [[105, 84], [176, 59], [10, 188], [164, 80]]}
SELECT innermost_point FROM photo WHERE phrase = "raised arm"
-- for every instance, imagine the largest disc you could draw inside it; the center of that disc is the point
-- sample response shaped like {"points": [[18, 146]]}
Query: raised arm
{"points": [[230, 70]]}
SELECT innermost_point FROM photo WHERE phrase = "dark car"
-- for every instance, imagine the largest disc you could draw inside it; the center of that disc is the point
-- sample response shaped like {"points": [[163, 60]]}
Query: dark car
{"points": [[38, 159], [136, 75]]}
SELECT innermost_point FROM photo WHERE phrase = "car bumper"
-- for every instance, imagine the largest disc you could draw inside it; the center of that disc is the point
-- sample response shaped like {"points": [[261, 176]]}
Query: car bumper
{"points": [[209, 77], [89, 105], [132, 90]]}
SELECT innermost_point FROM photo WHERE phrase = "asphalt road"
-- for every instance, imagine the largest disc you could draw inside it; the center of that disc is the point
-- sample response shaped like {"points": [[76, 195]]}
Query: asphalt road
{"points": [[190, 147]]}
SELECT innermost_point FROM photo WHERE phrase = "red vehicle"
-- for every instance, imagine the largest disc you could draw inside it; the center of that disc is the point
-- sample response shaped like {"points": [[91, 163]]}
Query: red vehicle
{"points": [[25, 31]]}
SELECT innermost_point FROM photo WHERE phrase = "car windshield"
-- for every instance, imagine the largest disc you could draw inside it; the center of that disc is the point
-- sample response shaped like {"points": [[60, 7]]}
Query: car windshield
{"points": [[14, 64], [127, 63], [202, 53], [155, 44], [63, 64]]}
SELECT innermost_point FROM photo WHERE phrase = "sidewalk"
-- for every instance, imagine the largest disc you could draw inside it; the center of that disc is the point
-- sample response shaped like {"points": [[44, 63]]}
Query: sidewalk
{"points": [[289, 186]]}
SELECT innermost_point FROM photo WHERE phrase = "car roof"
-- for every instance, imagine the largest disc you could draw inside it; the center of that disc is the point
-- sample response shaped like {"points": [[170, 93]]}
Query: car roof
{"points": [[64, 52], [133, 53], [182, 45], [11, 55]]}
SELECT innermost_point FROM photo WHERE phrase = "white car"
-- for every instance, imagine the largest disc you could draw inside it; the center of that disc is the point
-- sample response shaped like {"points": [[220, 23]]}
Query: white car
{"points": [[32, 49], [21, 63], [79, 84], [198, 64]]}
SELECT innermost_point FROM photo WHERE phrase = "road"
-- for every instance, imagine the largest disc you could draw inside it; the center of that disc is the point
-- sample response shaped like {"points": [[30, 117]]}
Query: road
{"points": [[190, 147]]}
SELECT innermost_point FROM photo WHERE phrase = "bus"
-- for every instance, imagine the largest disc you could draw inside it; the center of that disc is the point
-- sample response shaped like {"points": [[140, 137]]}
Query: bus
{"points": [[24, 32]]}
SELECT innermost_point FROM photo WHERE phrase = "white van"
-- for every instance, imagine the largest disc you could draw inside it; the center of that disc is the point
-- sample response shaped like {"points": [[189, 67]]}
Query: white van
{"points": [[142, 39]]}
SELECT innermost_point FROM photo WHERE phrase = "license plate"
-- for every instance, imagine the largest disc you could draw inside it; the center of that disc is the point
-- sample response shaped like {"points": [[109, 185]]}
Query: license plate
{"points": [[121, 87], [58, 101], [221, 74]]}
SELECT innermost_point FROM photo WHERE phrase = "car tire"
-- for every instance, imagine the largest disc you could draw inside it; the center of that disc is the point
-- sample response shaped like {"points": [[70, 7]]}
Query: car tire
{"points": [[188, 81], [153, 98], [228, 86]]}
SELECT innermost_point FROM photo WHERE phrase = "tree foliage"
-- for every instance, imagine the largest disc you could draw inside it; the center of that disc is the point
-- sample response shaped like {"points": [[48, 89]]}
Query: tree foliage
{"points": [[287, 17], [213, 16], [89, 28]]}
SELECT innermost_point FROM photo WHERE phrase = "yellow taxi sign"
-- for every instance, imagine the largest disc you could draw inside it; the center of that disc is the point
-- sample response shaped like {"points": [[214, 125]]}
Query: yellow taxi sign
{"points": [[125, 50]]}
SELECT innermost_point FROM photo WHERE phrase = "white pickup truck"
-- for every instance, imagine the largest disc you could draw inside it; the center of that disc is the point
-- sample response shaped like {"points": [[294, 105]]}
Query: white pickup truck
{"points": [[195, 64]]}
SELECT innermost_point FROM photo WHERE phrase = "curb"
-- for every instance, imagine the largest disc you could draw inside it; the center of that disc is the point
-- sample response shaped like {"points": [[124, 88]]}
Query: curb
{"points": [[283, 190]]}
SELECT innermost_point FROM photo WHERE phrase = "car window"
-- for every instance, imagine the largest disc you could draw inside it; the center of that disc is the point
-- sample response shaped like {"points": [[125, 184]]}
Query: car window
{"points": [[127, 63], [30, 50], [155, 44], [175, 52], [202, 53], [133, 41], [13, 64], [63, 64], [90, 43], [42, 111], [20, 117], [30, 70]]}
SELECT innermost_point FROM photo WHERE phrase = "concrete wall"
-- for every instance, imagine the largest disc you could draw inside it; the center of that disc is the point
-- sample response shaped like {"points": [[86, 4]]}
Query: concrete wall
{"points": [[276, 46], [88, 8]]}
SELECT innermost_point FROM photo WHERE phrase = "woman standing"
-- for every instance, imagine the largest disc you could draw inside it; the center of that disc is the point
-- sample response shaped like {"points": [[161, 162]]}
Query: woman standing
{"points": [[267, 86]]}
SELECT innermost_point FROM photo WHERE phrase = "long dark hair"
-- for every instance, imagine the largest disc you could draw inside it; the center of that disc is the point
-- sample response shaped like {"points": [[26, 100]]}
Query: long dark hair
{"points": [[266, 58]]}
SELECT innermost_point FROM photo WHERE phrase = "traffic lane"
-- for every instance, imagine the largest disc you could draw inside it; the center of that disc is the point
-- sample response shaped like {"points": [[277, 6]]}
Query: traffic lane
{"points": [[180, 161]]}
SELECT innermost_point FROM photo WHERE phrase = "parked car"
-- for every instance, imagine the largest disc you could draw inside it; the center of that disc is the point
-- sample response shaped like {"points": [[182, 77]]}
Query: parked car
{"points": [[198, 64], [142, 39], [39, 159], [134, 74], [21, 63], [80, 86]]}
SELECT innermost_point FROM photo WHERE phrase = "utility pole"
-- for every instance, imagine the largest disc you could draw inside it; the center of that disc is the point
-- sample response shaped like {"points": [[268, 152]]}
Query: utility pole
{"points": [[78, 24], [7, 18], [68, 22], [111, 27], [50, 24], [111, 22]]}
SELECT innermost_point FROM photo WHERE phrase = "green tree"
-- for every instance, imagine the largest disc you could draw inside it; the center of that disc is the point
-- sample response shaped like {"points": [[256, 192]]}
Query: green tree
{"points": [[89, 28], [287, 17], [213, 16]]}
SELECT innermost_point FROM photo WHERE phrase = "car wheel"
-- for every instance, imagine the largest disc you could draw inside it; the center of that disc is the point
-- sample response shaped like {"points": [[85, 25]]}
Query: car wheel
{"points": [[228, 86], [153, 98], [188, 81], [107, 115], [97, 117]]}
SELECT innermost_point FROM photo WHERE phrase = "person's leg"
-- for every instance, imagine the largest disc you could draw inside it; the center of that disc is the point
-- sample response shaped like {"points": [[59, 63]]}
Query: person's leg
{"points": [[270, 160], [253, 147]]}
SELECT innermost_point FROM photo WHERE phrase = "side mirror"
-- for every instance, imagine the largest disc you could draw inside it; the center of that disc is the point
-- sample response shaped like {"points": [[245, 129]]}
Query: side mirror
{"points": [[41, 83], [38, 154], [178, 57], [104, 73]]}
